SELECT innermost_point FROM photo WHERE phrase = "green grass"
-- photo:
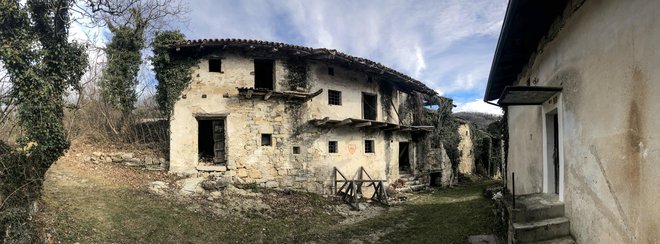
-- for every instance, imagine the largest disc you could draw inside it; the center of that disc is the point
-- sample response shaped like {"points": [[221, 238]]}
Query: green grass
{"points": [[445, 216], [91, 214]]}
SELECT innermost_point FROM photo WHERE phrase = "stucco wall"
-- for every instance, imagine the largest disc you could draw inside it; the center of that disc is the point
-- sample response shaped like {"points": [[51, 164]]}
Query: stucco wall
{"points": [[247, 119], [606, 58]]}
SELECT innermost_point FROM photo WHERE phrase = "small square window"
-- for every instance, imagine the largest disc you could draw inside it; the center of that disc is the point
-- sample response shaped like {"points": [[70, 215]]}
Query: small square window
{"points": [[331, 71], [215, 65], [332, 147], [296, 150], [266, 139], [334, 97], [368, 146]]}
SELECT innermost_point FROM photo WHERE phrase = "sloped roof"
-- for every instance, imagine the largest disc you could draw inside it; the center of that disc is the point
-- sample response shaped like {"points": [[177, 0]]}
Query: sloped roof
{"points": [[525, 23], [322, 54]]}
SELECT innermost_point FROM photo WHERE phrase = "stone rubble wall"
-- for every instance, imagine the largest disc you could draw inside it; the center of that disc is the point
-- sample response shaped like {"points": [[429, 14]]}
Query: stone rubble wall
{"points": [[129, 159]]}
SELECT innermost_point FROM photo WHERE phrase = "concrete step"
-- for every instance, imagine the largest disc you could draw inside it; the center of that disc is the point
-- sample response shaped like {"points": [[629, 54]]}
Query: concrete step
{"points": [[559, 240], [539, 212], [541, 230], [535, 207], [211, 168]]}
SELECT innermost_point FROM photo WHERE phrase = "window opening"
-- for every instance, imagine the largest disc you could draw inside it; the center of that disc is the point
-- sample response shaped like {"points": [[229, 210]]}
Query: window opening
{"points": [[266, 139], [368, 106], [332, 147], [215, 65], [369, 146], [334, 97], [264, 73]]}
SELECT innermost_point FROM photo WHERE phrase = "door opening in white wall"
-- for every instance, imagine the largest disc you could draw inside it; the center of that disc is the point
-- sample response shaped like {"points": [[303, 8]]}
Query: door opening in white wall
{"points": [[552, 149], [404, 157], [211, 140]]}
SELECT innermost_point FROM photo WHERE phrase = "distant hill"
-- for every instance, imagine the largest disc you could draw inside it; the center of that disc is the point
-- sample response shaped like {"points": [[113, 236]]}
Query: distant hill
{"points": [[481, 120]]}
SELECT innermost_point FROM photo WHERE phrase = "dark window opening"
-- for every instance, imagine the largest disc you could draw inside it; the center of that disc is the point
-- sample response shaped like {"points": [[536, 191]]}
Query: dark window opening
{"points": [[370, 79], [331, 71], [264, 73], [211, 141], [369, 146], [296, 150], [332, 147], [215, 65], [266, 139], [334, 97], [369, 106], [404, 157]]}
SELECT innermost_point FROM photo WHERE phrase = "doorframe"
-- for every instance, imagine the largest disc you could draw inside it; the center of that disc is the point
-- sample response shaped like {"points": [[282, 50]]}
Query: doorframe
{"points": [[548, 107]]}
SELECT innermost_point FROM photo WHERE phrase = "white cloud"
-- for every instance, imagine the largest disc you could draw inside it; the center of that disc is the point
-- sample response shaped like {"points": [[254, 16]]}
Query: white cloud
{"points": [[478, 106], [447, 44]]}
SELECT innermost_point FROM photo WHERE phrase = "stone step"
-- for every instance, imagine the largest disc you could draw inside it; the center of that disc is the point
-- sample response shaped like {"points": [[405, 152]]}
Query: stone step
{"points": [[411, 188], [541, 230], [536, 212], [559, 240], [535, 207], [212, 168]]}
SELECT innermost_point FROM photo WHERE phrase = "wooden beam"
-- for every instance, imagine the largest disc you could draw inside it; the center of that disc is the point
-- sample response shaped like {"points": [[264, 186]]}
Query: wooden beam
{"points": [[379, 125], [316, 93], [322, 122], [268, 94], [395, 127], [363, 124], [344, 122], [249, 94]]}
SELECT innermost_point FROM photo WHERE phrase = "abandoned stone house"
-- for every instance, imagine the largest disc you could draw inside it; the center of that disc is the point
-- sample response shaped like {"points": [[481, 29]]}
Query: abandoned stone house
{"points": [[577, 79], [282, 115]]}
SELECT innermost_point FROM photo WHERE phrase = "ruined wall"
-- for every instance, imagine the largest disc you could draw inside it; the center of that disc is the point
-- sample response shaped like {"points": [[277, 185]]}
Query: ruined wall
{"points": [[287, 121], [466, 147], [605, 56]]}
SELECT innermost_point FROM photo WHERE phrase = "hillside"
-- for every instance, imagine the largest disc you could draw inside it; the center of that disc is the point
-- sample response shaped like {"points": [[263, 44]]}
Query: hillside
{"points": [[482, 120]]}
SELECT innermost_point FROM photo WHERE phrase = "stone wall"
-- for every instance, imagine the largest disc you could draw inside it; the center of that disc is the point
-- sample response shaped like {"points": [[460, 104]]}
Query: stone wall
{"points": [[466, 148], [125, 158], [276, 165]]}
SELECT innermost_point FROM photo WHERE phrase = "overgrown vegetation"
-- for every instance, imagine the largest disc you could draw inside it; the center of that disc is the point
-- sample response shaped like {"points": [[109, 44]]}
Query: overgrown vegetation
{"points": [[296, 76], [124, 59], [172, 72], [445, 130], [42, 64]]}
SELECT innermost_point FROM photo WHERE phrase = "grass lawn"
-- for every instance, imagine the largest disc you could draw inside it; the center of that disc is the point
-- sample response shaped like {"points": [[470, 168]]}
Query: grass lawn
{"points": [[445, 216], [79, 205]]}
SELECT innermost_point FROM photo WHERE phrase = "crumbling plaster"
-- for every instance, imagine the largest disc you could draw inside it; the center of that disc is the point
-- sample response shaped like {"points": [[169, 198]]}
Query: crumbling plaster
{"points": [[246, 119], [605, 57]]}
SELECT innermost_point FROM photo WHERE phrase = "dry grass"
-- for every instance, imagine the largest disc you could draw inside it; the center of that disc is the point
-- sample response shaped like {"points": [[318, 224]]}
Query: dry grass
{"points": [[107, 203]]}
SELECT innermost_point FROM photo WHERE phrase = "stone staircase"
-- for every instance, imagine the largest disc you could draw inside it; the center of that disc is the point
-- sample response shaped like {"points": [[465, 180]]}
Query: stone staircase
{"points": [[411, 183], [538, 218]]}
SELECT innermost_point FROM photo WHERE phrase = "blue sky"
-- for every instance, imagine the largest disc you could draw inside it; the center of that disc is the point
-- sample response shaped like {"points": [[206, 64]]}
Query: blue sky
{"points": [[447, 44]]}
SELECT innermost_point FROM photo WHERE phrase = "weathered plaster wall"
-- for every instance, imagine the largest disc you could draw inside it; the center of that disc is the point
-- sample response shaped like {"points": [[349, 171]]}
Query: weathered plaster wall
{"points": [[465, 146], [525, 149], [606, 58], [247, 119]]}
